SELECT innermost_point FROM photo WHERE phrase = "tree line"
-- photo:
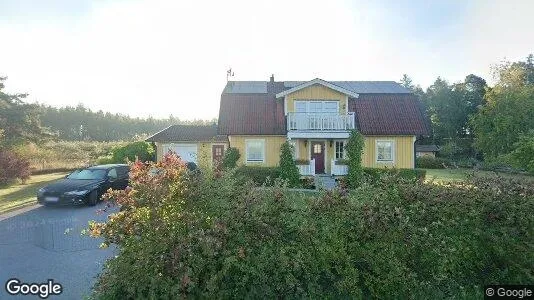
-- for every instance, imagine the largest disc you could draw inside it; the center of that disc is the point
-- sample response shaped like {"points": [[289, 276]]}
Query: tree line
{"points": [[471, 119], [22, 122], [81, 123]]}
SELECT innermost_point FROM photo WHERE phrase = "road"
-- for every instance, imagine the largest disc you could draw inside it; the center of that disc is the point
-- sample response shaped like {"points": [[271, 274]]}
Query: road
{"points": [[46, 243]]}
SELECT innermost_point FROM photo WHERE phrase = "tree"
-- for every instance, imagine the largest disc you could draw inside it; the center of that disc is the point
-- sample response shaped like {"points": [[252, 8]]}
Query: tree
{"points": [[141, 151], [508, 111], [523, 155], [19, 121], [407, 82], [288, 167], [231, 156], [354, 150]]}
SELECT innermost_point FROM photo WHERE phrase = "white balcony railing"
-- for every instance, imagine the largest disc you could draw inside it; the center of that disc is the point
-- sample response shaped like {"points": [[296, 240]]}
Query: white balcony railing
{"points": [[339, 169], [307, 170], [320, 121]]}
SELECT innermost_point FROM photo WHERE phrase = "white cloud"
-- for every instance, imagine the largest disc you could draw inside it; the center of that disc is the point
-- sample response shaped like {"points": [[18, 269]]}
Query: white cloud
{"points": [[169, 57]]}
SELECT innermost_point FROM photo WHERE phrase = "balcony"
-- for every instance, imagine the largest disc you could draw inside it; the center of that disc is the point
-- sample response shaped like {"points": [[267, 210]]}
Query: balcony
{"points": [[319, 125], [320, 122]]}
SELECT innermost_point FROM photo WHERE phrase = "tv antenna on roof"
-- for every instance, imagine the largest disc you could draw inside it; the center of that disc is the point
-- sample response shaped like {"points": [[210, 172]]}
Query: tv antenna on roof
{"points": [[229, 74]]}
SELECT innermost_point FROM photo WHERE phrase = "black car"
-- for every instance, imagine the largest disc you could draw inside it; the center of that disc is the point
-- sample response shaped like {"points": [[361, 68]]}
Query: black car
{"points": [[85, 185]]}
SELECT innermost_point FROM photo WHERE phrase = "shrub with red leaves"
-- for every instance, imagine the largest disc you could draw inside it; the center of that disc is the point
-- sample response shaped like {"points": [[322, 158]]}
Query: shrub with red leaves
{"points": [[13, 167]]}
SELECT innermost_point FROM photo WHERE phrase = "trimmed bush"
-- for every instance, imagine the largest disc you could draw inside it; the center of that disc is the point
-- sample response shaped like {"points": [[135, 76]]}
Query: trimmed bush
{"points": [[13, 167], [258, 174], [231, 156], [288, 167], [429, 162], [140, 150], [354, 150]]}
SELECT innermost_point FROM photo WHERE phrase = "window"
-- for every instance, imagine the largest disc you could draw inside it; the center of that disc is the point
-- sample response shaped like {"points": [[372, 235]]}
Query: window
{"points": [[340, 150], [123, 171], [317, 149], [384, 151], [112, 174], [294, 149], [255, 150], [302, 106]]}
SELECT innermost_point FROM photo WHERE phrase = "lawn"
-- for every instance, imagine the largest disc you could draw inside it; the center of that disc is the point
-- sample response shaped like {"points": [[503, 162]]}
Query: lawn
{"points": [[20, 195], [452, 175]]}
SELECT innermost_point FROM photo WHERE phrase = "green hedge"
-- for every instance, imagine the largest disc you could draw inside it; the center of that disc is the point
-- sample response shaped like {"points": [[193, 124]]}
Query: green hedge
{"points": [[429, 162], [217, 238], [258, 174], [411, 174], [140, 150]]}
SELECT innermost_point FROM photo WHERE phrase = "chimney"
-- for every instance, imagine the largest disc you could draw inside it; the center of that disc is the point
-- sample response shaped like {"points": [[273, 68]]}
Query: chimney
{"points": [[272, 78]]}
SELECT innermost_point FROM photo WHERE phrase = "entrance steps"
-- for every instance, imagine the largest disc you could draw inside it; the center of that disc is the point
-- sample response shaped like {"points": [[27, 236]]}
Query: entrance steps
{"points": [[326, 182]]}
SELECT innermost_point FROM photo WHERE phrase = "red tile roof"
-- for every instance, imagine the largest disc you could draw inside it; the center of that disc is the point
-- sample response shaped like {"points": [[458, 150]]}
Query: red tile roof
{"points": [[255, 114], [262, 114], [389, 114]]}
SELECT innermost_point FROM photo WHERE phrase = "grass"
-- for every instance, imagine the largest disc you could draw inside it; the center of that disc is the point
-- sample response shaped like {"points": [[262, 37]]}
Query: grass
{"points": [[454, 175], [20, 195]]}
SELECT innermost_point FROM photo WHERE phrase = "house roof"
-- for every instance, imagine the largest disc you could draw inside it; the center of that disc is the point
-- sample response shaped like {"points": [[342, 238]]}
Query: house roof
{"points": [[358, 87], [426, 148], [389, 114], [188, 133], [252, 108], [254, 114], [317, 81]]}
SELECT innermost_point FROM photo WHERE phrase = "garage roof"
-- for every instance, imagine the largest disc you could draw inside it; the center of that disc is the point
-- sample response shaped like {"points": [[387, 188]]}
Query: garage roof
{"points": [[188, 133]]}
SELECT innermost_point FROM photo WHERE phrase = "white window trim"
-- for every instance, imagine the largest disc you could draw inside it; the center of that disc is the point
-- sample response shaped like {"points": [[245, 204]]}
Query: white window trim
{"points": [[295, 144], [307, 102], [246, 151], [344, 150], [393, 148]]}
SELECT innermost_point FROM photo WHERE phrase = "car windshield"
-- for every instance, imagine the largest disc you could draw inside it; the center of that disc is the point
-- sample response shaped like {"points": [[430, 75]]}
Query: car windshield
{"points": [[88, 174]]}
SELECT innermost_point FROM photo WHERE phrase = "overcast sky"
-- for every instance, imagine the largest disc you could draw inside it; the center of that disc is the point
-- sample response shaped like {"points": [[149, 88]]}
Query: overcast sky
{"points": [[157, 57]]}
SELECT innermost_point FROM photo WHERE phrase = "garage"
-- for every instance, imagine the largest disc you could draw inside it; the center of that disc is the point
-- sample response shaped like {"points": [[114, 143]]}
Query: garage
{"points": [[188, 152]]}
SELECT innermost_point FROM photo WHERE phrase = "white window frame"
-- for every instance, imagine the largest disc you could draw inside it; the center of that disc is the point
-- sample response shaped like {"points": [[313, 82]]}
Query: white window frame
{"points": [[247, 141], [392, 151], [344, 153], [295, 144], [307, 102]]}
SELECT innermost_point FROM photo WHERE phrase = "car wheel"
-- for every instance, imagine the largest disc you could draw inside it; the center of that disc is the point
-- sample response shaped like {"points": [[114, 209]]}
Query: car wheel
{"points": [[93, 198]]}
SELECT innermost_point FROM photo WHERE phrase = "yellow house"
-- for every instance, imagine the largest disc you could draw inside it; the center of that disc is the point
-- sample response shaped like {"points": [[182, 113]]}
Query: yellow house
{"points": [[316, 116]]}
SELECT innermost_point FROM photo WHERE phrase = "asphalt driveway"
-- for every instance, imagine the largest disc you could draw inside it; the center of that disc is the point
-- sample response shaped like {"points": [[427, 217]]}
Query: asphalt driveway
{"points": [[45, 243]]}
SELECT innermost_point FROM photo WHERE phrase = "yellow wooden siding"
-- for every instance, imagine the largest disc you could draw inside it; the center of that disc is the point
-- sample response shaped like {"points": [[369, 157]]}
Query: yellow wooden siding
{"points": [[317, 92], [204, 154], [272, 148], [404, 152]]}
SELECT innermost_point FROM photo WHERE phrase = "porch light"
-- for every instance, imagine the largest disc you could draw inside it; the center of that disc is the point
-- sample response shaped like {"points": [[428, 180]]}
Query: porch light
{"points": [[305, 143], [331, 142]]}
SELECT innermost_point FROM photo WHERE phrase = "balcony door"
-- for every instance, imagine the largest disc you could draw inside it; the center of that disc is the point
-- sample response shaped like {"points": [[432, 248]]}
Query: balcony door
{"points": [[310, 114], [317, 153]]}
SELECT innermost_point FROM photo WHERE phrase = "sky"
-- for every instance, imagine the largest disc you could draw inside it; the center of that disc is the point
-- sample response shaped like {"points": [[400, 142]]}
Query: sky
{"points": [[161, 57]]}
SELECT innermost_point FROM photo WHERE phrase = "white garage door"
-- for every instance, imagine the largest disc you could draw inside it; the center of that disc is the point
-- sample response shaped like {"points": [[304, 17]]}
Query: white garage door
{"points": [[187, 152]]}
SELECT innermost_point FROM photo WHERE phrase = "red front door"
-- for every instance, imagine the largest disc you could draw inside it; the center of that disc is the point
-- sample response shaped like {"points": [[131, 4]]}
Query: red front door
{"points": [[317, 153], [217, 152]]}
